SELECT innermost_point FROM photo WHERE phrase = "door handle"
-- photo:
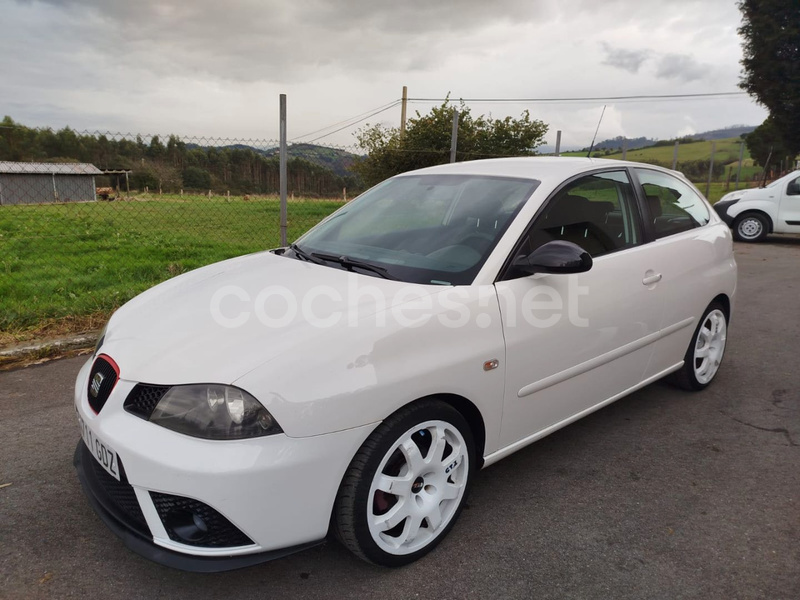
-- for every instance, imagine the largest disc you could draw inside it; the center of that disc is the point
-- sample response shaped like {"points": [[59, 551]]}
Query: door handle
{"points": [[651, 279]]}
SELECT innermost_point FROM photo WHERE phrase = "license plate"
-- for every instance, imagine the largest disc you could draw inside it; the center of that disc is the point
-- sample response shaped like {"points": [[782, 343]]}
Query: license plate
{"points": [[101, 451]]}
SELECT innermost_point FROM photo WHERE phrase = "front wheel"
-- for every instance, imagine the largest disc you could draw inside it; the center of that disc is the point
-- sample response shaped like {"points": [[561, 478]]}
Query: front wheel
{"points": [[407, 484], [705, 352], [750, 227]]}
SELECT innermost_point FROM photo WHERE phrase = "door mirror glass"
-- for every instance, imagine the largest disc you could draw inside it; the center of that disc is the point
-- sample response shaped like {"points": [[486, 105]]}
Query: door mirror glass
{"points": [[557, 257], [793, 189]]}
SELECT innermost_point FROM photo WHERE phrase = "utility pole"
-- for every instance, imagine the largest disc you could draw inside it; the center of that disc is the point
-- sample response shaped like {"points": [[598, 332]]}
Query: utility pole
{"points": [[454, 137], [282, 168], [403, 108], [558, 143]]}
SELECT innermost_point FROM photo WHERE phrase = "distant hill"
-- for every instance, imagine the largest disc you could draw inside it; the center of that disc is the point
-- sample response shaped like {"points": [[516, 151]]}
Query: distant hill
{"points": [[644, 142], [723, 134], [338, 161]]}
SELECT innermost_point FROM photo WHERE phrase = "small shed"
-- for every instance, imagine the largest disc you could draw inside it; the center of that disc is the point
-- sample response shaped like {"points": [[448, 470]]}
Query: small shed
{"points": [[39, 183]]}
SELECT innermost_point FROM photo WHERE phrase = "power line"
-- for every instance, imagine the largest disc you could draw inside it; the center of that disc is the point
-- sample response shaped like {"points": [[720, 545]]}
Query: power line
{"points": [[377, 112], [368, 113], [587, 98]]}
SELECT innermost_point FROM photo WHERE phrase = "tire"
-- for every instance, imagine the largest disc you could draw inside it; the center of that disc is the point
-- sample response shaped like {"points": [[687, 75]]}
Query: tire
{"points": [[750, 227], [709, 341], [425, 455]]}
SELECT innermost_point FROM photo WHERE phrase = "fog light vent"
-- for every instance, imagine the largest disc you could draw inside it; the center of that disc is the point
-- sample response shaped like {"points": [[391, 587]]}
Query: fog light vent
{"points": [[195, 523]]}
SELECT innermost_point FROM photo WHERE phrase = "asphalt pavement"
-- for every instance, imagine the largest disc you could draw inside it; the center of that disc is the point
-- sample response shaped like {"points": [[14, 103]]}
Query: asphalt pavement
{"points": [[664, 494]]}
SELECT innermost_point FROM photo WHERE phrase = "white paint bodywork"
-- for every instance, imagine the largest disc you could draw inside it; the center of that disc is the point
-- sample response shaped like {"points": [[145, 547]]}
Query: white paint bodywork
{"points": [[773, 201], [330, 387]]}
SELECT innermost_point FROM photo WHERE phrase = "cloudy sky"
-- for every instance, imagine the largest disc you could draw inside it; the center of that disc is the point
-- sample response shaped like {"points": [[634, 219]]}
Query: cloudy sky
{"points": [[215, 68]]}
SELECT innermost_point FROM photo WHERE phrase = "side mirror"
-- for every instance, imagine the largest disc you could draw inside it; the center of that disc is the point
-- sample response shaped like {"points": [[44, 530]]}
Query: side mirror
{"points": [[557, 257], [793, 189]]}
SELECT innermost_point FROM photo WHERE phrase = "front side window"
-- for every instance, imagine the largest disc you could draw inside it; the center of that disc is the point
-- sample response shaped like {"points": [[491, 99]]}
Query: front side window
{"points": [[598, 212], [673, 205], [437, 229]]}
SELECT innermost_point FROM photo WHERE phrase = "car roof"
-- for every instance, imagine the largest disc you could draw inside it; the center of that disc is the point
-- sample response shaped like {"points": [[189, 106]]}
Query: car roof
{"points": [[541, 168]]}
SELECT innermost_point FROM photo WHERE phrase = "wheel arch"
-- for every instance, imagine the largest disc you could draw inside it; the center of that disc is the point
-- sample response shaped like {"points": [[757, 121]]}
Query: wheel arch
{"points": [[725, 301], [752, 211]]}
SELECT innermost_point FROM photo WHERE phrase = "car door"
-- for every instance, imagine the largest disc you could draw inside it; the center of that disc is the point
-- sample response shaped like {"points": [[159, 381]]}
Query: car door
{"points": [[789, 210], [576, 341], [688, 253]]}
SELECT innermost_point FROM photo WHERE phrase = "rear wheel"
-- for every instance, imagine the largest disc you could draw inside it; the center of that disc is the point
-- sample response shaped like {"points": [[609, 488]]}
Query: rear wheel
{"points": [[704, 355], [750, 227], [407, 484]]}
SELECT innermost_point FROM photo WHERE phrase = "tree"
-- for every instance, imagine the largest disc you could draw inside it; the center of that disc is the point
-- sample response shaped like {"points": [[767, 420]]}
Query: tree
{"points": [[426, 141], [771, 46], [766, 139], [195, 178]]}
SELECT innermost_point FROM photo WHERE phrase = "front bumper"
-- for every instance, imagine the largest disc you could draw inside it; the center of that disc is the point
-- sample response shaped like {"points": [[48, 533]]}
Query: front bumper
{"points": [[135, 536], [272, 495], [721, 208]]}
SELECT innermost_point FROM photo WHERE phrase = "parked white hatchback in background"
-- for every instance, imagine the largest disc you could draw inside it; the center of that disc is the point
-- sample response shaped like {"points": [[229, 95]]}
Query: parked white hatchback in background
{"points": [[358, 379], [753, 214]]}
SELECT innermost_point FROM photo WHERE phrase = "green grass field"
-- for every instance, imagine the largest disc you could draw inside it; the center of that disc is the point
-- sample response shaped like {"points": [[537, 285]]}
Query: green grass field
{"points": [[71, 260]]}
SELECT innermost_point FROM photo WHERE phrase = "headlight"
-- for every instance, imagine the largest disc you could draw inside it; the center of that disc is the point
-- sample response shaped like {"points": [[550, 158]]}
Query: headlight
{"points": [[100, 339], [214, 412]]}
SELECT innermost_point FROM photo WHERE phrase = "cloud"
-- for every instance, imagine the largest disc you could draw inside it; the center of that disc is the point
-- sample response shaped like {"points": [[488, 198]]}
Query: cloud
{"points": [[216, 68], [627, 60], [682, 67]]}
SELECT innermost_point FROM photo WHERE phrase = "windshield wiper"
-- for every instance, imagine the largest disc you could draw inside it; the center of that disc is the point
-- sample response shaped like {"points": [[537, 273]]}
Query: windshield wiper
{"points": [[352, 262], [304, 255]]}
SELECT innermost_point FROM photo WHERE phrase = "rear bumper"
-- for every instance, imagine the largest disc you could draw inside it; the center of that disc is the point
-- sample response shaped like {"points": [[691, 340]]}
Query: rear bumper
{"points": [[135, 534]]}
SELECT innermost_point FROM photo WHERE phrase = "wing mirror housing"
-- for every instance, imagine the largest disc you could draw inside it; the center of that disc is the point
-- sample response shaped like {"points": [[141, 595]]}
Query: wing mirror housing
{"points": [[557, 257]]}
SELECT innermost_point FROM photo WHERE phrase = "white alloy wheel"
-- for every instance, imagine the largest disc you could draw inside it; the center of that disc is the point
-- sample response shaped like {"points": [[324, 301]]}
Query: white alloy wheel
{"points": [[418, 487], [407, 484], [710, 346]]}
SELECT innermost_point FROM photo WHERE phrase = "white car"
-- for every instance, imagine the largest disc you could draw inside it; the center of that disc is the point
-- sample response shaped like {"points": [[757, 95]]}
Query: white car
{"points": [[355, 382], [753, 214]]}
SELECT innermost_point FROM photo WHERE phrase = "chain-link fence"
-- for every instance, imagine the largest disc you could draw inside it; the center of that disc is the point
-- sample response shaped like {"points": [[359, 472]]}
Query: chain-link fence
{"points": [[89, 220]]}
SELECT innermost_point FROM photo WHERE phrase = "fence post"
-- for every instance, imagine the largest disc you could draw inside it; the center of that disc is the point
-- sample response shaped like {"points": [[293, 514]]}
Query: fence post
{"points": [[710, 168], [558, 143], [282, 170], [454, 137], [739, 169], [624, 148], [675, 155]]}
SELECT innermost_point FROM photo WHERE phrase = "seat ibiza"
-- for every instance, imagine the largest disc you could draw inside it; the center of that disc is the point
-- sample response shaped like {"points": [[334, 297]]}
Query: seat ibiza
{"points": [[354, 383]]}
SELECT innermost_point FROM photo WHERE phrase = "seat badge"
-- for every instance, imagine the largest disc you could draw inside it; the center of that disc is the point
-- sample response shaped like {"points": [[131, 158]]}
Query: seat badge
{"points": [[97, 381]]}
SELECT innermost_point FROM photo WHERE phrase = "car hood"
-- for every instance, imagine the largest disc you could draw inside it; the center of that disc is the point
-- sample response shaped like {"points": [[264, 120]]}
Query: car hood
{"points": [[170, 334]]}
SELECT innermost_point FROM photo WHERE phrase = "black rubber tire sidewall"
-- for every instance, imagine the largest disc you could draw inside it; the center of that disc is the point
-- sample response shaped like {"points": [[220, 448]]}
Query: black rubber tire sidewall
{"points": [[350, 509]]}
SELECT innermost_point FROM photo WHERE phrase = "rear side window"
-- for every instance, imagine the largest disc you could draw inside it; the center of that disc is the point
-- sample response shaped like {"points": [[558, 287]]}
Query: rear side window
{"points": [[674, 206]]}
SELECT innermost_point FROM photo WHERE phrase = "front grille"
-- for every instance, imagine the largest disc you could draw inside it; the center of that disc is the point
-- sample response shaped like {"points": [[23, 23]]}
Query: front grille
{"points": [[221, 532], [143, 399], [102, 379], [117, 497]]}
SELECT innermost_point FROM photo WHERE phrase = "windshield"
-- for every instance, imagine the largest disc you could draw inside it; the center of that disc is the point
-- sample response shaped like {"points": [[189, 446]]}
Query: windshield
{"points": [[433, 229]]}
